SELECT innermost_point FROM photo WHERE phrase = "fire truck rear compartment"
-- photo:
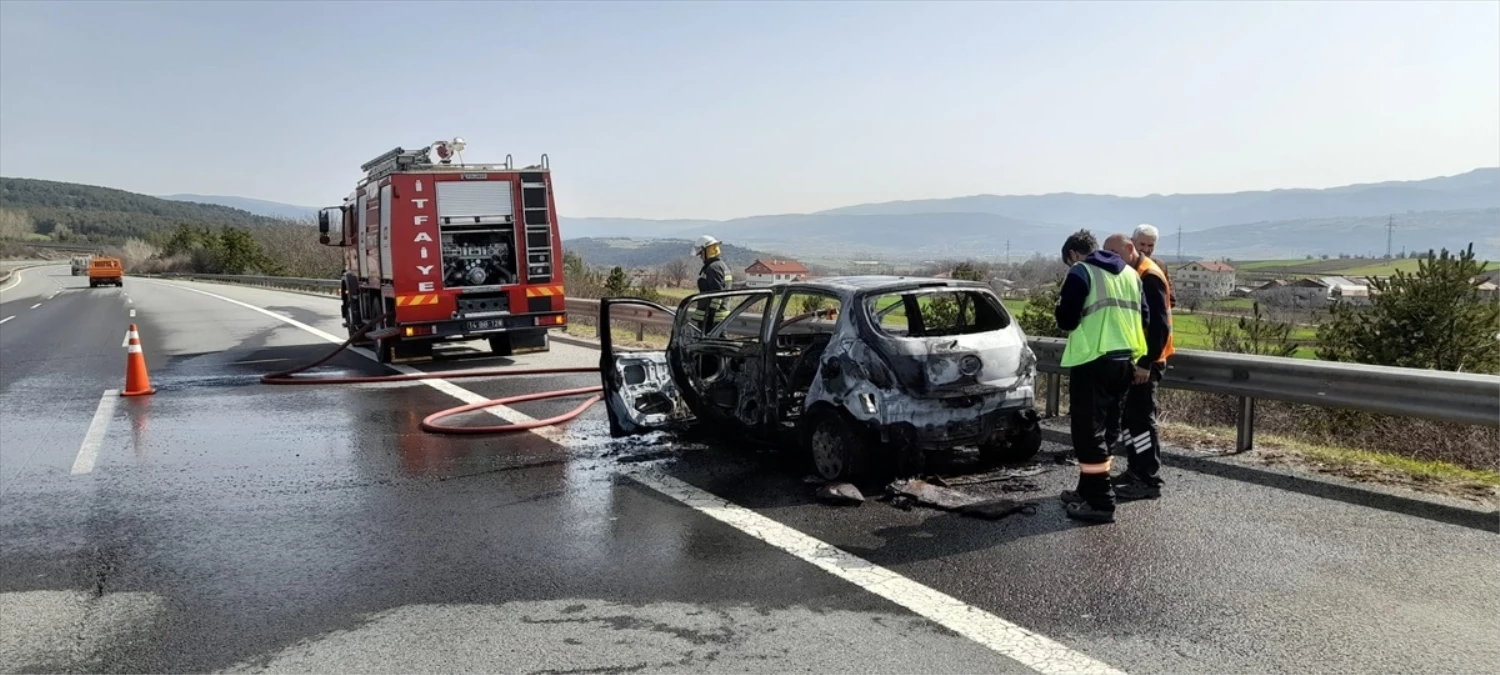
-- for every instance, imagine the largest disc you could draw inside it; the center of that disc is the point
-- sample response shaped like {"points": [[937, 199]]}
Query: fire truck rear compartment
{"points": [[477, 226]]}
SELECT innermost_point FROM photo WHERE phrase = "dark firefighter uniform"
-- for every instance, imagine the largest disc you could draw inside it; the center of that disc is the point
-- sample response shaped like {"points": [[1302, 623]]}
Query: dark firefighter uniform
{"points": [[715, 276], [1102, 307], [1143, 447]]}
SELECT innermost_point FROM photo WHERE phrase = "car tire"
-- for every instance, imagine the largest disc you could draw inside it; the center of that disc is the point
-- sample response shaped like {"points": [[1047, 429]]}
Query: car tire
{"points": [[839, 453], [1020, 444]]}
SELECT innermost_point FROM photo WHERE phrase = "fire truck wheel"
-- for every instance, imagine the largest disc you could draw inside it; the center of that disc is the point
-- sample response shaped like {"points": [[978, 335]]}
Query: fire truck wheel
{"points": [[385, 350]]}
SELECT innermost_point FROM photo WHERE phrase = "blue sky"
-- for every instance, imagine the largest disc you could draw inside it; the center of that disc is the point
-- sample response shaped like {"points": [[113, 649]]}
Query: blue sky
{"points": [[722, 109]]}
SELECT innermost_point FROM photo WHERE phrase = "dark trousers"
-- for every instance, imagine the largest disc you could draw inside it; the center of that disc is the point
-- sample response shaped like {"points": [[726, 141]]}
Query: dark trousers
{"points": [[1143, 447], [1096, 402]]}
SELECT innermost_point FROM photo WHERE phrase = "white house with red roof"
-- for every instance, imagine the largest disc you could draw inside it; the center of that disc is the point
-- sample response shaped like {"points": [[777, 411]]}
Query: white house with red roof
{"points": [[1205, 278], [767, 272]]}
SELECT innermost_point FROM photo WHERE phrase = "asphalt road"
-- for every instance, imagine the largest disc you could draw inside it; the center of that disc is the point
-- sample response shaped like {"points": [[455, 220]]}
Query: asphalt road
{"points": [[223, 524]]}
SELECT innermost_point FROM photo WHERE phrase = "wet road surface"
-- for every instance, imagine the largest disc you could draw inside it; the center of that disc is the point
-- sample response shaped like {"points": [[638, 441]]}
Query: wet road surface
{"points": [[230, 525]]}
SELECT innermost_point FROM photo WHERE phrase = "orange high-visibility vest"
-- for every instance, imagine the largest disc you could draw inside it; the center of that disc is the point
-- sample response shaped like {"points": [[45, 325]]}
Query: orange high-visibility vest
{"points": [[1144, 266]]}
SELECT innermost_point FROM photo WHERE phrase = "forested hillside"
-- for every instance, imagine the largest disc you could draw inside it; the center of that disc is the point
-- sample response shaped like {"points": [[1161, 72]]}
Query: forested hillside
{"points": [[107, 215]]}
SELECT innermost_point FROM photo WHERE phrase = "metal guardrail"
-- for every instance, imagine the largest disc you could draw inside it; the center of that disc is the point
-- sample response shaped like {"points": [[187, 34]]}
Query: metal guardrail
{"points": [[6, 273], [1460, 398], [330, 286]]}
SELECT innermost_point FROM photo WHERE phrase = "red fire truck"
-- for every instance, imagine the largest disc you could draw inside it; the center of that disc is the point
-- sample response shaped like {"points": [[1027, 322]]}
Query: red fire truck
{"points": [[449, 251]]}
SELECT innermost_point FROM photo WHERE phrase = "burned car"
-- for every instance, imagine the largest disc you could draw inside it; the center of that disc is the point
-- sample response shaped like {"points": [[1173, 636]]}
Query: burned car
{"points": [[868, 375]]}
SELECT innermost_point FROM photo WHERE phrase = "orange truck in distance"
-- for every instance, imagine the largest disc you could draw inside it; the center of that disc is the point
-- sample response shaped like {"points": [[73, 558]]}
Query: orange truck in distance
{"points": [[106, 272]]}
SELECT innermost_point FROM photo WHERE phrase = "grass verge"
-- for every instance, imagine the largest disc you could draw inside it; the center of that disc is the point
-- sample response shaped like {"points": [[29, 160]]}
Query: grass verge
{"points": [[1433, 476]]}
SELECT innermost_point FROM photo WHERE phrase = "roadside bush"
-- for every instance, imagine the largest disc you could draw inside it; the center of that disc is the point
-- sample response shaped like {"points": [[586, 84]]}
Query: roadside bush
{"points": [[1434, 318]]}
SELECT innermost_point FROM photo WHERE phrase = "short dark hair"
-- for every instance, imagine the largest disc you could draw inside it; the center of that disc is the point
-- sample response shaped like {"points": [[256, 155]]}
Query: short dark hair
{"points": [[1081, 242]]}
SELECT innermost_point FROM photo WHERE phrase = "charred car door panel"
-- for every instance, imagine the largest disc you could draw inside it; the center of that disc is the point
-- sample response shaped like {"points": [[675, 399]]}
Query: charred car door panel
{"points": [[640, 393], [719, 352]]}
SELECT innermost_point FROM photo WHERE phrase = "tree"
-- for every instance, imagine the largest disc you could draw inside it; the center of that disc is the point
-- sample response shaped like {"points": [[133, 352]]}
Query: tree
{"points": [[15, 224], [1434, 318], [617, 285], [968, 271], [1038, 317], [676, 271], [1257, 334]]}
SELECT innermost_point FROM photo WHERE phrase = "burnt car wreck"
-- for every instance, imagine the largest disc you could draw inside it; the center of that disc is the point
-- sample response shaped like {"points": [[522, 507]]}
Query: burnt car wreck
{"points": [[868, 375]]}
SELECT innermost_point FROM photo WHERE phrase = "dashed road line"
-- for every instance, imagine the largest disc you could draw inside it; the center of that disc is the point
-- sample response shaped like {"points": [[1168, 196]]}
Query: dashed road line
{"points": [[132, 314], [36, 305], [89, 451], [1003, 637], [8, 318]]}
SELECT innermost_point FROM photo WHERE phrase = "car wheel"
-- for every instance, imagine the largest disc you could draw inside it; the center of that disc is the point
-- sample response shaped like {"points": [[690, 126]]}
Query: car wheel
{"points": [[1020, 443], [839, 453]]}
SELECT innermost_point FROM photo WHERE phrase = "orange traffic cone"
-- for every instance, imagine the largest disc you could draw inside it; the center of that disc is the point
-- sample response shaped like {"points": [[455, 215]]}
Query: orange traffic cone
{"points": [[137, 381]]}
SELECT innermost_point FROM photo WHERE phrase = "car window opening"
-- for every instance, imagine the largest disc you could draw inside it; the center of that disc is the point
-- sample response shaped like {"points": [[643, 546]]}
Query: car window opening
{"points": [[803, 327], [918, 314]]}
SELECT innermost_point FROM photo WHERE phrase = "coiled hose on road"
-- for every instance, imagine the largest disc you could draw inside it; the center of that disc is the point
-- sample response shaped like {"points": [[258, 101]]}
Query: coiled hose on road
{"points": [[430, 423]]}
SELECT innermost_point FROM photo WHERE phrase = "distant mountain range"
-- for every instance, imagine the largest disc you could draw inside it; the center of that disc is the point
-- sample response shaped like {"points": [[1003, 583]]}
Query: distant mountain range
{"points": [[259, 207], [1449, 211]]}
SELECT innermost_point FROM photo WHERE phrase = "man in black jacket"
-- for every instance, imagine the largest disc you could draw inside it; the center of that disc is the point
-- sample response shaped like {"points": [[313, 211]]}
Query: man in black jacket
{"points": [[1141, 479]]}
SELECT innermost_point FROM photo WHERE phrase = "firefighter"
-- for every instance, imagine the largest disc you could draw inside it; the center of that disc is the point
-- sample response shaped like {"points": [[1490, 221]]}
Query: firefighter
{"points": [[714, 276], [1141, 480], [1101, 307]]}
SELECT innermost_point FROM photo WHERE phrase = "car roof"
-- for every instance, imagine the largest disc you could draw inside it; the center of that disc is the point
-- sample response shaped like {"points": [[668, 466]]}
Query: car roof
{"points": [[883, 282]]}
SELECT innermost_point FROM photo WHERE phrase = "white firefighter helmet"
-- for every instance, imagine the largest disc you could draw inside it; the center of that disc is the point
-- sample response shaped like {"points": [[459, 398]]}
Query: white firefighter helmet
{"points": [[704, 242]]}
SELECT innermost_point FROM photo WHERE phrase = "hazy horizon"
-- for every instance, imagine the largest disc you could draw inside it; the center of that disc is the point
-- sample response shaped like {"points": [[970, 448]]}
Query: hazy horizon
{"points": [[723, 110]]}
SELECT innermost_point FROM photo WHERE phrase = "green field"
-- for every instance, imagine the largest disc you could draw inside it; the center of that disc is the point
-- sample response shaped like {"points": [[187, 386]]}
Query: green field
{"points": [[1340, 267]]}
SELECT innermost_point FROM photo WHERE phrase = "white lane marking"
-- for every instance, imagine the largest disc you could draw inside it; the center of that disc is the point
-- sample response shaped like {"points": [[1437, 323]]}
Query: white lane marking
{"points": [[508, 414], [36, 305], [89, 451], [8, 318], [15, 280], [132, 314], [1030, 649], [129, 301], [54, 294], [1008, 639]]}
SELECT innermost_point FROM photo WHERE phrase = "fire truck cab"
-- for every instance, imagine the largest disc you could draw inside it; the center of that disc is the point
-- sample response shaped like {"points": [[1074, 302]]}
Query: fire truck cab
{"points": [[448, 251]]}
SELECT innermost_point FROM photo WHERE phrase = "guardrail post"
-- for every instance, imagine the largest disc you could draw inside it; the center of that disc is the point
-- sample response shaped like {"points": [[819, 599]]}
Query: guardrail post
{"points": [[1054, 393], [1245, 431], [640, 332]]}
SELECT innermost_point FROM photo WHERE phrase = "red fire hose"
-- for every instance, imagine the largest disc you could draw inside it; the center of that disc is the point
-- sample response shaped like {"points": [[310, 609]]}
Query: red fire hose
{"points": [[429, 423]]}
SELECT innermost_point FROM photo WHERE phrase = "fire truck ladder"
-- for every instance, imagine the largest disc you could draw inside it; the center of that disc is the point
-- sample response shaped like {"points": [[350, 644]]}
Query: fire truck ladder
{"points": [[536, 215]]}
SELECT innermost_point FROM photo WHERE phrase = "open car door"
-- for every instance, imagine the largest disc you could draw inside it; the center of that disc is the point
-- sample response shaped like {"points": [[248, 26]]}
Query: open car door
{"points": [[640, 394]]}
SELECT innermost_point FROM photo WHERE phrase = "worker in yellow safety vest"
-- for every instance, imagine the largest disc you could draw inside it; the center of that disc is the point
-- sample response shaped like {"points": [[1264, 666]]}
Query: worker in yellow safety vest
{"points": [[1141, 479], [714, 276], [1102, 308]]}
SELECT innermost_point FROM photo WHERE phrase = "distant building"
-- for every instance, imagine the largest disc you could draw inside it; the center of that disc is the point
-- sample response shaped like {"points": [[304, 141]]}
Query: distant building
{"points": [[763, 273], [1204, 278], [1347, 290]]}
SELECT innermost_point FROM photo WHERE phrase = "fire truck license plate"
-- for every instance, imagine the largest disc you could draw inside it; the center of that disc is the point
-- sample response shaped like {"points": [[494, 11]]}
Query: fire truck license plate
{"points": [[486, 324]]}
